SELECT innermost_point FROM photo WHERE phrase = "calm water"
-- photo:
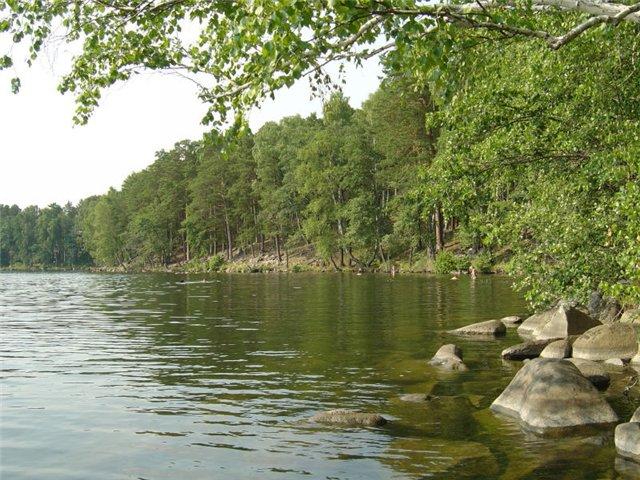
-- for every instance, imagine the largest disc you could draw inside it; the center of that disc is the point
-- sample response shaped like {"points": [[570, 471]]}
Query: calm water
{"points": [[144, 377]]}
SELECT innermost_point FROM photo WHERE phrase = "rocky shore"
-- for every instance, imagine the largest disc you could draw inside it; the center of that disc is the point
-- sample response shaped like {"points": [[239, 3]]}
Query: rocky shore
{"points": [[560, 389]]}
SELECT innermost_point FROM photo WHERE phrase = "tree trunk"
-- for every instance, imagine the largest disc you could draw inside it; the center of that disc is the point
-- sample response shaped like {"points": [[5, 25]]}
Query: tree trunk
{"points": [[439, 228], [278, 248]]}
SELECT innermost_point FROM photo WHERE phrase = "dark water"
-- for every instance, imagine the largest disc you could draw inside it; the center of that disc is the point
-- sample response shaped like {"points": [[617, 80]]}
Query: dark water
{"points": [[144, 377]]}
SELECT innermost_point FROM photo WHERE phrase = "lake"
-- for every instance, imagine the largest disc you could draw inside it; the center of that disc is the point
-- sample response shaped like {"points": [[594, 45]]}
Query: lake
{"points": [[156, 376]]}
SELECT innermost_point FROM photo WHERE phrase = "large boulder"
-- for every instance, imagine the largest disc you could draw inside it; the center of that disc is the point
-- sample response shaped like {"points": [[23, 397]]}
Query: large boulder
{"points": [[488, 328], [613, 340], [548, 394], [594, 372], [566, 321], [533, 324], [604, 309], [349, 418], [528, 349], [627, 438], [559, 322], [449, 357], [559, 348]]}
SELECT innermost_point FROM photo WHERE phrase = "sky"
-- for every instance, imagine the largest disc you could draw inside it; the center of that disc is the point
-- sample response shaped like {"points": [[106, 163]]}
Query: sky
{"points": [[44, 158]]}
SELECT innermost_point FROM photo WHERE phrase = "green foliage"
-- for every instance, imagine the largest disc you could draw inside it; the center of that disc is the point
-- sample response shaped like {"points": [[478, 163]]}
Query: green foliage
{"points": [[446, 262], [538, 152], [483, 262], [215, 263]]}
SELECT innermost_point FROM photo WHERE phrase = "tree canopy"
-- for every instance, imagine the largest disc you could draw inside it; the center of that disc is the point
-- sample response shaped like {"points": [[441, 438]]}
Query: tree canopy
{"points": [[243, 51]]}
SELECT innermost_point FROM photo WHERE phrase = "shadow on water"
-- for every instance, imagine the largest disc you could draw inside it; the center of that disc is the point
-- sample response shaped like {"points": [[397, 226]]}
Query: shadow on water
{"points": [[162, 376]]}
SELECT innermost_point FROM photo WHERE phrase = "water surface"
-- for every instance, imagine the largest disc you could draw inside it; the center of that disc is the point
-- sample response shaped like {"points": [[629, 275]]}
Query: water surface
{"points": [[169, 377]]}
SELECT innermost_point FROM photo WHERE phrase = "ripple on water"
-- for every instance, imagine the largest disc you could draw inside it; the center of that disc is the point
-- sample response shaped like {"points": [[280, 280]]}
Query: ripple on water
{"points": [[147, 376]]}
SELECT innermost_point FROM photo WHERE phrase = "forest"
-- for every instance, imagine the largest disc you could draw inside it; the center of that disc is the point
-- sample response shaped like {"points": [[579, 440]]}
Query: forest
{"points": [[483, 147]]}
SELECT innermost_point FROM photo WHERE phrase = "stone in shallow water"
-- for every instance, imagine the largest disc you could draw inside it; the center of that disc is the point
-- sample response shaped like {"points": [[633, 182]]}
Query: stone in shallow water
{"points": [[559, 348], [549, 394], [613, 340], [416, 397], [592, 371], [488, 328], [525, 350], [627, 438], [349, 418], [449, 357]]}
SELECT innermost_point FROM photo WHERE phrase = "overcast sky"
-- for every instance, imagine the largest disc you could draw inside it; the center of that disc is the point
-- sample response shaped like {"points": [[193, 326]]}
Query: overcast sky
{"points": [[45, 159]]}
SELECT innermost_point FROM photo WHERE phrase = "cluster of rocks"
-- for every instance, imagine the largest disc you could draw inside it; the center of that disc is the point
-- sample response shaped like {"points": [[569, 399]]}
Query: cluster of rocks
{"points": [[566, 350]]}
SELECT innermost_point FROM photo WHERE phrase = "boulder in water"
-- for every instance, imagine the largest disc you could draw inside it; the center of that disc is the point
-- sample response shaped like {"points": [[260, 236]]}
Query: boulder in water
{"points": [[488, 328], [613, 340], [559, 322], [594, 372], [559, 348], [525, 350], [627, 438], [548, 394], [449, 357], [349, 418]]}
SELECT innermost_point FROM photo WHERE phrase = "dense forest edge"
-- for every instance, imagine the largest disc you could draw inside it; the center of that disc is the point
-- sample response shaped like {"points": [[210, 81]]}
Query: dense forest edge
{"points": [[525, 160]]}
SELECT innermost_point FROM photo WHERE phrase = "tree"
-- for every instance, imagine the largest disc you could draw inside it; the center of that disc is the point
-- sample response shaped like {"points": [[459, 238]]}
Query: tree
{"points": [[250, 49]]}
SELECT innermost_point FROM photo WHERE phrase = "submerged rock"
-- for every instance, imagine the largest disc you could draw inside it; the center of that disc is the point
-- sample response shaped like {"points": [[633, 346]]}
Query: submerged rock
{"points": [[549, 394], [594, 372], [488, 328], [559, 348], [613, 340], [416, 397], [525, 350], [449, 357], [627, 438], [349, 418]]}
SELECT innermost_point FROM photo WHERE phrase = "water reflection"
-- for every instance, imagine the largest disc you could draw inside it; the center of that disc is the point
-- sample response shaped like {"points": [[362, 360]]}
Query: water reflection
{"points": [[160, 376]]}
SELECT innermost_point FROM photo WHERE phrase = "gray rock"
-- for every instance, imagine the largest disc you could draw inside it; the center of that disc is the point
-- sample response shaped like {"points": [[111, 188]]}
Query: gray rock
{"points": [[565, 322], [631, 316], [511, 321], [627, 438], [449, 357], [613, 340], [558, 322], [416, 397], [534, 323], [559, 348], [448, 351], [636, 360], [594, 372], [488, 328], [349, 418], [548, 394], [524, 350], [614, 362], [604, 309]]}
